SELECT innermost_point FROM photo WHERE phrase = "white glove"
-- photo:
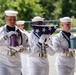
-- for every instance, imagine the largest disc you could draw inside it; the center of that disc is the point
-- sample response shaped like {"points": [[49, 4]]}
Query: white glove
{"points": [[47, 38], [18, 48], [9, 34], [71, 50], [42, 38]]}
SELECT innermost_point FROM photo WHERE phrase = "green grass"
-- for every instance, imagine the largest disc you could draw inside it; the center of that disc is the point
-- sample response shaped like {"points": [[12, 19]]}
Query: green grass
{"points": [[54, 34]]}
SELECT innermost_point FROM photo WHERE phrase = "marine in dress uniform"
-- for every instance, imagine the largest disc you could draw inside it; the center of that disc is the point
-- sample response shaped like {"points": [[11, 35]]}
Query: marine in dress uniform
{"points": [[38, 61], [12, 42], [65, 61]]}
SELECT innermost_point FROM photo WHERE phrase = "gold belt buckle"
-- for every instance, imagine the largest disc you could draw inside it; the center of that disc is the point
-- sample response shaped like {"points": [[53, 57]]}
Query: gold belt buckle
{"points": [[42, 55], [12, 53]]}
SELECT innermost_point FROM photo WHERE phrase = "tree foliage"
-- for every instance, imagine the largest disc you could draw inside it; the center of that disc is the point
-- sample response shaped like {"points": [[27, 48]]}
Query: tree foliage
{"points": [[49, 9]]}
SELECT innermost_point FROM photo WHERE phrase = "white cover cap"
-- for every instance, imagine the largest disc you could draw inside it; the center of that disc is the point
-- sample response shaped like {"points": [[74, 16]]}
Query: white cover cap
{"points": [[37, 18], [65, 19], [20, 22], [11, 13]]}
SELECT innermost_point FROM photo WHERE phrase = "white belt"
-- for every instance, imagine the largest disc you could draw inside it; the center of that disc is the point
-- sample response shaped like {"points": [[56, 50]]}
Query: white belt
{"points": [[62, 54], [67, 55], [11, 53]]}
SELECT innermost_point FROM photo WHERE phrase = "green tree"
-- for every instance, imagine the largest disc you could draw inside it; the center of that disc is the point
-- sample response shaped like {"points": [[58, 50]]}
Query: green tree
{"points": [[68, 8], [58, 10], [27, 9], [48, 7]]}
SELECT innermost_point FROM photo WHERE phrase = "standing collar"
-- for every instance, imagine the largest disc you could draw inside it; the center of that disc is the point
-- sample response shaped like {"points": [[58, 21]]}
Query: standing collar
{"points": [[5, 28]]}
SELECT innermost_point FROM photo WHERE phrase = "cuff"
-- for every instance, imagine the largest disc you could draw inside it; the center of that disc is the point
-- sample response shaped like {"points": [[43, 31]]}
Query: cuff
{"points": [[5, 37]]}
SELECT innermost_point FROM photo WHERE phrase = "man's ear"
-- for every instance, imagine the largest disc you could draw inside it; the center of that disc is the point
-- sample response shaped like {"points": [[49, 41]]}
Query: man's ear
{"points": [[61, 24], [6, 18]]}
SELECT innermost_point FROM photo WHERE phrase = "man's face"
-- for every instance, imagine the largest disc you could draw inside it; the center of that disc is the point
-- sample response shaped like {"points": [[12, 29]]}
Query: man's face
{"points": [[38, 23], [66, 26], [10, 20], [20, 26]]}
